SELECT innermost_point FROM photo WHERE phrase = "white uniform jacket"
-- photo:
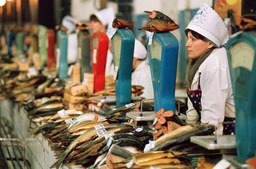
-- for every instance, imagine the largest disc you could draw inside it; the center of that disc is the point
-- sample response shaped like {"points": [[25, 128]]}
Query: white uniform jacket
{"points": [[142, 76], [217, 96]]}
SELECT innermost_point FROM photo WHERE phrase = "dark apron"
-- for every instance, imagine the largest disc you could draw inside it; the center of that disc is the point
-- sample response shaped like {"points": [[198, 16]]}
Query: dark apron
{"points": [[195, 98]]}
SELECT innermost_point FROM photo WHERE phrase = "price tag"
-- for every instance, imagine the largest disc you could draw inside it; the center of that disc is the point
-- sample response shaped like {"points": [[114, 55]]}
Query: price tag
{"points": [[149, 146], [63, 114], [100, 129], [150, 38]]}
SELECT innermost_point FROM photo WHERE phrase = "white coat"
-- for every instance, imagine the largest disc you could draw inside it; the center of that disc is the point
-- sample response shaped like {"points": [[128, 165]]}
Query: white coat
{"points": [[217, 96], [142, 76]]}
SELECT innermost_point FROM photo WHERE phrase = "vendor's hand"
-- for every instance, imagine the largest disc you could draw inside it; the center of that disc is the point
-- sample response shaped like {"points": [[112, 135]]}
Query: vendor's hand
{"points": [[247, 24]]}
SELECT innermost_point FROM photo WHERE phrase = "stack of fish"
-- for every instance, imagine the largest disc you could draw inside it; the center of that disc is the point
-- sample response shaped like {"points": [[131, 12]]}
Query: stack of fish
{"points": [[179, 139], [120, 157], [81, 139], [44, 106]]}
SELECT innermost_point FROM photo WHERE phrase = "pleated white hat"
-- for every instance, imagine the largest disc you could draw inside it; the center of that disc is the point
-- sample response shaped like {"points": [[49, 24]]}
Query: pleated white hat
{"points": [[106, 15], [208, 23]]}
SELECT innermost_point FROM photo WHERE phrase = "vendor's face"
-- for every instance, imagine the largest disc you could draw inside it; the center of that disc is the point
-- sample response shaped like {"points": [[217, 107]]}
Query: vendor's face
{"points": [[96, 26], [196, 47]]}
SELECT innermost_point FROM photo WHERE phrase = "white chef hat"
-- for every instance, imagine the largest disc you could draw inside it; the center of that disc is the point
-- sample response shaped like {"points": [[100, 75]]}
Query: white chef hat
{"points": [[106, 15], [70, 23], [209, 24], [140, 51]]}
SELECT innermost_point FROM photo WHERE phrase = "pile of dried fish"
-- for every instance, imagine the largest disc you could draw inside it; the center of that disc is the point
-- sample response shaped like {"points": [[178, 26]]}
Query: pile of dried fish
{"points": [[121, 158], [80, 139], [179, 139]]}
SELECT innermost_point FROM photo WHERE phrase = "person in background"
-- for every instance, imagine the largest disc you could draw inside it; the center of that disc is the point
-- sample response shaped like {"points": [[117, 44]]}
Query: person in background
{"points": [[209, 86], [141, 74], [70, 23], [101, 21]]}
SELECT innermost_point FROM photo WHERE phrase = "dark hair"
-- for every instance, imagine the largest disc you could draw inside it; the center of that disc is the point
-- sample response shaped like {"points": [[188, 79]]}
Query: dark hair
{"points": [[196, 35], [94, 18]]}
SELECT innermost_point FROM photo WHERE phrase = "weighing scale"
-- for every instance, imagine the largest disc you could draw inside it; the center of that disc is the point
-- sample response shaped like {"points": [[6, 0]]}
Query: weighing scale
{"points": [[99, 48], [123, 49], [34, 39], [63, 63], [84, 52], [51, 60], [163, 56], [42, 44], [10, 39], [242, 53], [19, 40]]}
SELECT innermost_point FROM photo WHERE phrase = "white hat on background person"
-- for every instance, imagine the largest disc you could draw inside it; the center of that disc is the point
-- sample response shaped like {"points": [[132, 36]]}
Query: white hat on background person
{"points": [[70, 23], [209, 24], [106, 15], [140, 51]]}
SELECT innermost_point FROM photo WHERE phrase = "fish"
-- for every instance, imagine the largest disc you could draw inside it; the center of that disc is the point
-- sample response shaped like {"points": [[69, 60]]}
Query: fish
{"points": [[101, 160], [45, 127], [126, 107], [159, 25], [47, 104], [88, 116], [165, 137], [121, 23], [117, 154], [170, 161], [69, 112], [182, 134], [40, 88], [167, 166], [50, 107], [86, 125], [158, 15], [88, 135], [151, 157]]}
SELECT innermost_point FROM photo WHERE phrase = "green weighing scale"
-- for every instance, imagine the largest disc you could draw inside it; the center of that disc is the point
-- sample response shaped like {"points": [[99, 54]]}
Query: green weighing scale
{"points": [[10, 39], [123, 48], [242, 54], [84, 52], [42, 44], [62, 41], [163, 57], [19, 40]]}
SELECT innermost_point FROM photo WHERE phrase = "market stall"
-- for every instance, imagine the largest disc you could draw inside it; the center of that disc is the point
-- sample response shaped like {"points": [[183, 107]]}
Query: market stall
{"points": [[68, 117]]}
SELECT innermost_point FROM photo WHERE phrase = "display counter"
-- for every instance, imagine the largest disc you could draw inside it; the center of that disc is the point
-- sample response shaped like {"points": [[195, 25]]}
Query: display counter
{"points": [[37, 149]]}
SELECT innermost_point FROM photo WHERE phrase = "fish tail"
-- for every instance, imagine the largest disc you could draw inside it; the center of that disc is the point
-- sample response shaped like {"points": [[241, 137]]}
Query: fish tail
{"points": [[59, 162]]}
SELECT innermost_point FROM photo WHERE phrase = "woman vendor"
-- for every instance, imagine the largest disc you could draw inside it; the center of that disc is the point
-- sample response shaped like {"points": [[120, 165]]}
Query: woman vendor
{"points": [[208, 78]]}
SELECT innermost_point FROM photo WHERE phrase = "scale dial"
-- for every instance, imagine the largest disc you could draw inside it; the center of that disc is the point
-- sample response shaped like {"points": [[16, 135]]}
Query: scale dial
{"points": [[116, 47], [242, 55], [241, 61], [155, 60]]}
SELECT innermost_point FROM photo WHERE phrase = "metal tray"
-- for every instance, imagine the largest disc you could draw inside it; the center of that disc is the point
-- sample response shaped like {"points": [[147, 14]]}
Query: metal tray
{"points": [[142, 116], [222, 142]]}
